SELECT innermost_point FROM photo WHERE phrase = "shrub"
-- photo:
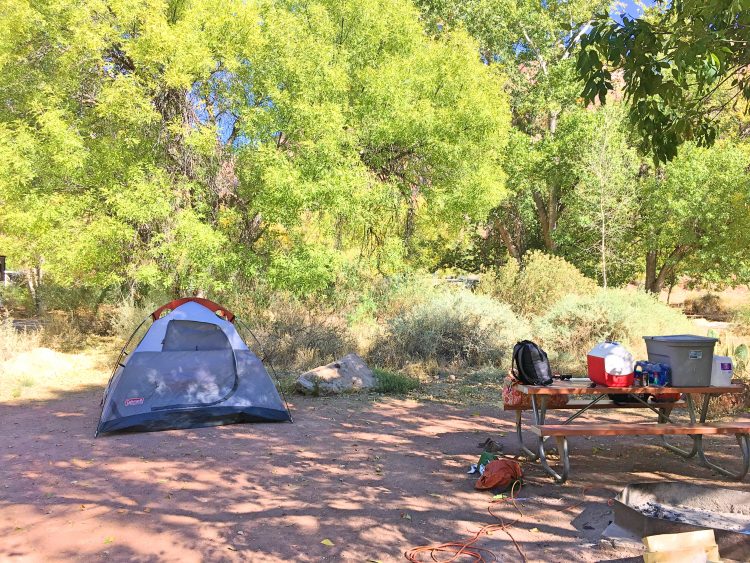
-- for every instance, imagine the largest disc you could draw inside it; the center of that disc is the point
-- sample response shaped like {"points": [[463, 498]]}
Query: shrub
{"points": [[395, 383], [454, 327], [741, 358], [295, 337], [398, 294], [125, 318], [14, 341], [578, 322], [741, 320], [537, 286], [63, 331], [709, 306], [16, 299], [500, 283]]}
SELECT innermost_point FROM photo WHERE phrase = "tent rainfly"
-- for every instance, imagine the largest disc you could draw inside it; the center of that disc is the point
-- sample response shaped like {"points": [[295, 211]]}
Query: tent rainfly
{"points": [[190, 369]]}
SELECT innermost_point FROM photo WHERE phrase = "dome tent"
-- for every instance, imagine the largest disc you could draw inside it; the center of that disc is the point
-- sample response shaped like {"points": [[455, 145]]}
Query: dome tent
{"points": [[190, 369]]}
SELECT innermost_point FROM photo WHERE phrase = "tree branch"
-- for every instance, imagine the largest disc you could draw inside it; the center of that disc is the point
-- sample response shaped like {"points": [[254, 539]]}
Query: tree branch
{"points": [[539, 56]]}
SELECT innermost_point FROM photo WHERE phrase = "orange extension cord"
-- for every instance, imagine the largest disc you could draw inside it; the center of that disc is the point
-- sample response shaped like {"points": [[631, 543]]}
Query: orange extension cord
{"points": [[467, 548]]}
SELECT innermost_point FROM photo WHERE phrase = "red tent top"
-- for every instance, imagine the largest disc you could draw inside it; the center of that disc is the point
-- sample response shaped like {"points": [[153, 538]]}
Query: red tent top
{"points": [[207, 303]]}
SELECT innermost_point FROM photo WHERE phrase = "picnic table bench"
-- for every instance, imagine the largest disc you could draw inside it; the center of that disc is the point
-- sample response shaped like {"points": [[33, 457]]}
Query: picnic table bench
{"points": [[664, 425]]}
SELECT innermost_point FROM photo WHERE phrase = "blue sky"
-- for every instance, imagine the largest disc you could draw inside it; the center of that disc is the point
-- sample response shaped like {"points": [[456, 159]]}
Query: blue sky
{"points": [[632, 7]]}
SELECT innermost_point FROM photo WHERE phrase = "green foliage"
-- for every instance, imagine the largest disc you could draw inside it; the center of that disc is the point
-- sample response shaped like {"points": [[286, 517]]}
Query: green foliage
{"points": [[577, 323], [394, 383], [501, 283], [694, 218], [741, 320], [126, 316], [210, 145], [683, 63], [595, 232], [455, 327], [531, 41], [537, 286]]}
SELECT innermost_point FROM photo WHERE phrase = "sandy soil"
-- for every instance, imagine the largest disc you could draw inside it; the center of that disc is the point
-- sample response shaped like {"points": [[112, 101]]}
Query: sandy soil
{"points": [[375, 477]]}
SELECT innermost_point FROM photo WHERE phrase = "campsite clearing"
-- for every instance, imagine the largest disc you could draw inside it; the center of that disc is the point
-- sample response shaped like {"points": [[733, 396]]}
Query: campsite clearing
{"points": [[373, 476]]}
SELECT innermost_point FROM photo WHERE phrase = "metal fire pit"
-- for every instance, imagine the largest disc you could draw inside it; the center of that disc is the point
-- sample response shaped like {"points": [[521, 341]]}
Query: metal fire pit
{"points": [[646, 509]]}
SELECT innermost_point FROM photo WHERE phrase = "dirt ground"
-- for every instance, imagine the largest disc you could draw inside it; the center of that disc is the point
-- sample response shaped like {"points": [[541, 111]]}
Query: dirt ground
{"points": [[375, 476]]}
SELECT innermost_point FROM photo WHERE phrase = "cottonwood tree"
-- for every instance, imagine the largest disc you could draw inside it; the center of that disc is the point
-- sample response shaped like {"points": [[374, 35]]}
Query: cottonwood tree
{"points": [[684, 63], [694, 217], [184, 144], [596, 231], [534, 43]]}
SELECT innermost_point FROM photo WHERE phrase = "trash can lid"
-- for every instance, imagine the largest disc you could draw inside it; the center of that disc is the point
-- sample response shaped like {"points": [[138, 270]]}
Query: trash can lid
{"points": [[683, 339]]}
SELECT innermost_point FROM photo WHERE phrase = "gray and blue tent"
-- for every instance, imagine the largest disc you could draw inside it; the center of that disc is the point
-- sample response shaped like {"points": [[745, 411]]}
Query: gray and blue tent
{"points": [[190, 369]]}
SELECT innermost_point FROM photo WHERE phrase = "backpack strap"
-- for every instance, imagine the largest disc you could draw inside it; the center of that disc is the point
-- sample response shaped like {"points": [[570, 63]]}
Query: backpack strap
{"points": [[517, 350]]}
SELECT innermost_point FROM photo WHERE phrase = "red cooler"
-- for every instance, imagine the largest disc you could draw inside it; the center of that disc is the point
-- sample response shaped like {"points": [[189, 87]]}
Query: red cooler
{"points": [[610, 364]]}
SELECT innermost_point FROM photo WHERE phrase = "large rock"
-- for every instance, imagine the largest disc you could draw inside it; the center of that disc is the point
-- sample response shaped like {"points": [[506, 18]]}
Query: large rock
{"points": [[348, 374]]}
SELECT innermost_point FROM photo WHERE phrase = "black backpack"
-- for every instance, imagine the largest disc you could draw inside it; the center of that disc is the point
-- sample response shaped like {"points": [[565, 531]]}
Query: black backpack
{"points": [[530, 364]]}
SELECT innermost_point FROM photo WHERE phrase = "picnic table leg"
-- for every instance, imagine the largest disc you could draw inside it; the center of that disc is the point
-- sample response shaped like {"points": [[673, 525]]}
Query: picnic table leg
{"points": [[562, 448], [743, 440], [540, 412], [523, 447], [664, 419]]}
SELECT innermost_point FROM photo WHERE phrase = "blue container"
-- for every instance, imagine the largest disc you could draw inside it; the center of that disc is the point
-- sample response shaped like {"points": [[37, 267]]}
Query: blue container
{"points": [[640, 373], [660, 375]]}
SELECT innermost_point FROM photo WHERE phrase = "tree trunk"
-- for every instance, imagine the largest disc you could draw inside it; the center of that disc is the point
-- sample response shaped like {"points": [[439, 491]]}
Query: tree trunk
{"points": [[651, 258], [411, 218], [546, 212], [507, 239], [552, 122], [34, 281], [657, 276], [603, 219]]}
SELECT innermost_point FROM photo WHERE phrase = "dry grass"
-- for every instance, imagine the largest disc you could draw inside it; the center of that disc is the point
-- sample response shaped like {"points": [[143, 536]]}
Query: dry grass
{"points": [[294, 338], [29, 370], [13, 341]]}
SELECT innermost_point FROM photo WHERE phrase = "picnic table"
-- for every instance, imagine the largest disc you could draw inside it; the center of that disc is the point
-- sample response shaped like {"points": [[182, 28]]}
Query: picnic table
{"points": [[596, 399]]}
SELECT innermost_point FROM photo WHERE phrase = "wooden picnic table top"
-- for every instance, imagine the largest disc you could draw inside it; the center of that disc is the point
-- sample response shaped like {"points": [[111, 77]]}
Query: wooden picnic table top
{"points": [[583, 387]]}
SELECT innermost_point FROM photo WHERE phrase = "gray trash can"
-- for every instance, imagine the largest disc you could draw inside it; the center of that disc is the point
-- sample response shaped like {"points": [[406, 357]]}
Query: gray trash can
{"points": [[689, 356]]}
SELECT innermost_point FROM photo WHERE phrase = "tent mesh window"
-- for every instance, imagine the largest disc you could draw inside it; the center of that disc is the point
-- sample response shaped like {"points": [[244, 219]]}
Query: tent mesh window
{"points": [[183, 336]]}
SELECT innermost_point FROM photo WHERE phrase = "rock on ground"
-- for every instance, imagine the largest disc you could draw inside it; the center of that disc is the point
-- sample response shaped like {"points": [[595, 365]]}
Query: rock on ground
{"points": [[348, 374]]}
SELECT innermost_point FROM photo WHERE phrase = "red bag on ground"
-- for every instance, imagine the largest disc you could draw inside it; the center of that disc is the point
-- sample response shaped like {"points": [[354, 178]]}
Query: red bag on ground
{"points": [[499, 474]]}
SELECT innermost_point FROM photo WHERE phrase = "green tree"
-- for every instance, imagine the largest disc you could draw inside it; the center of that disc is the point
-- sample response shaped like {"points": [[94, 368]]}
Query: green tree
{"points": [[186, 145], [694, 217], [596, 230], [683, 64], [533, 43]]}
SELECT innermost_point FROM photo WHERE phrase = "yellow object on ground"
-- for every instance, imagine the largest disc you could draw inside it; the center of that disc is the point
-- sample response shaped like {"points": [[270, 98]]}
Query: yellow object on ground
{"points": [[687, 547]]}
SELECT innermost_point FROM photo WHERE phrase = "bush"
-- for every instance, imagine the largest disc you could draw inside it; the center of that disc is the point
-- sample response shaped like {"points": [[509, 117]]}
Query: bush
{"points": [[395, 383], [708, 306], [500, 283], [577, 323], [741, 320], [63, 332], [537, 286], [741, 357], [127, 315], [16, 299], [396, 295], [295, 337], [13, 341], [454, 327]]}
